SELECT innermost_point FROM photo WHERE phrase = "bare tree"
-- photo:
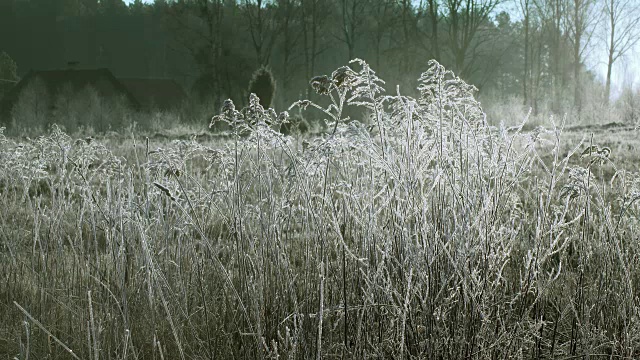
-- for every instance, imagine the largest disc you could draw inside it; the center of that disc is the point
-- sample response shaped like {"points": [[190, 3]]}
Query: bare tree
{"points": [[465, 18], [263, 27], [287, 16], [581, 20], [525, 7], [434, 17], [537, 63], [352, 14], [408, 20], [551, 44], [314, 15], [197, 26], [622, 26], [428, 22], [383, 19]]}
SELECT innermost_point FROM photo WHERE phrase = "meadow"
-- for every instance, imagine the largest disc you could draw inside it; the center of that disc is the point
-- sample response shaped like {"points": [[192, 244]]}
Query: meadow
{"points": [[418, 232]]}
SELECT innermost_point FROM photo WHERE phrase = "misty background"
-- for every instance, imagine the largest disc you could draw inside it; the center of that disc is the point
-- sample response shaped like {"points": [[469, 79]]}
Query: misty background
{"points": [[551, 56]]}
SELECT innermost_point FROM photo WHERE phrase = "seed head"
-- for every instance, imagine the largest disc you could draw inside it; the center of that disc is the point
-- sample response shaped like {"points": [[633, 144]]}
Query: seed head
{"points": [[228, 106], [254, 100], [343, 77], [304, 104], [283, 117], [321, 84]]}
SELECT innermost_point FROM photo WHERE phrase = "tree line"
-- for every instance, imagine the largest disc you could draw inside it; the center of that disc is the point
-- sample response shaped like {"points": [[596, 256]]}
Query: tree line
{"points": [[535, 49]]}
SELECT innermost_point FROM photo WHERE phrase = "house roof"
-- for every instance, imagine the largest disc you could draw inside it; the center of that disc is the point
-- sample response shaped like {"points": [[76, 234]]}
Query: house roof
{"points": [[161, 93], [141, 93], [100, 79]]}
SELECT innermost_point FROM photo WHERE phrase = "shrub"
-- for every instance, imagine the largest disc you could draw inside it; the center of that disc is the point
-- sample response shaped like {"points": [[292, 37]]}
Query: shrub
{"points": [[628, 105], [263, 85], [32, 111]]}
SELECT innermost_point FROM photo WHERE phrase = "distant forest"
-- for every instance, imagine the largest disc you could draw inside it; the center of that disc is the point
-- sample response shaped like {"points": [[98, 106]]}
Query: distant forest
{"points": [[213, 47]]}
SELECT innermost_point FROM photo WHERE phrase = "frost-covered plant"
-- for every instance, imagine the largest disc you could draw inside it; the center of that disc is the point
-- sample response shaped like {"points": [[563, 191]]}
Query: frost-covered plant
{"points": [[417, 232]]}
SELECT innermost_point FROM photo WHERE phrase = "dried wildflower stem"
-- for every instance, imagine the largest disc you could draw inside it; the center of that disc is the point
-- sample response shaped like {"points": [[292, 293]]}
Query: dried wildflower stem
{"points": [[96, 349], [320, 312], [405, 312], [38, 324]]}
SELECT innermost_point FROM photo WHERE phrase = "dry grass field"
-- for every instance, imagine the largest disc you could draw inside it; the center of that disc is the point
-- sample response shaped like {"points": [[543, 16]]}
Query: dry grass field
{"points": [[419, 233]]}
